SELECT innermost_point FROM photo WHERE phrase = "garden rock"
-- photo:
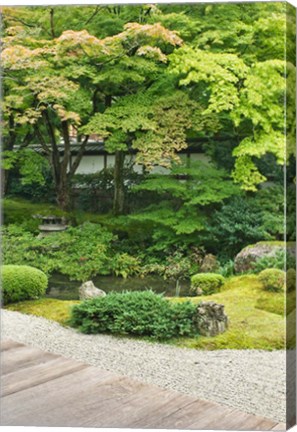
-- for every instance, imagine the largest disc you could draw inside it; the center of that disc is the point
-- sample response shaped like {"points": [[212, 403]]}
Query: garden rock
{"points": [[88, 290], [209, 264], [210, 319], [249, 255]]}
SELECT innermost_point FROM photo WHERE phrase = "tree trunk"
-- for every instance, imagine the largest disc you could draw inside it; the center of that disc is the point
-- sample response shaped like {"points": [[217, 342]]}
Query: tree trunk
{"points": [[118, 177], [63, 193], [119, 190], [4, 181]]}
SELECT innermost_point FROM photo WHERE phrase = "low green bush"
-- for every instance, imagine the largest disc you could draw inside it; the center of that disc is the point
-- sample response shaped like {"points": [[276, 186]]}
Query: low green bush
{"points": [[279, 260], [22, 283], [272, 279], [291, 280], [227, 269], [206, 283], [138, 313]]}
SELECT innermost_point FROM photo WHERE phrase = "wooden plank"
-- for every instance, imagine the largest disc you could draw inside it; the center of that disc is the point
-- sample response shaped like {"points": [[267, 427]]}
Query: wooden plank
{"points": [[279, 427], [233, 419], [38, 374], [134, 408], [7, 344], [65, 401], [23, 357], [94, 401], [192, 416], [166, 408]]}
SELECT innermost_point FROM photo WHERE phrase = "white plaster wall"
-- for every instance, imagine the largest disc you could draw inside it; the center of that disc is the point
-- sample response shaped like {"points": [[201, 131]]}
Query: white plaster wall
{"points": [[90, 164], [199, 157], [110, 160]]}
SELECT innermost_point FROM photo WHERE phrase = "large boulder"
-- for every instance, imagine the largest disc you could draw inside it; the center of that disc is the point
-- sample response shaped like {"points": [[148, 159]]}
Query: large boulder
{"points": [[88, 291], [210, 319], [249, 255]]}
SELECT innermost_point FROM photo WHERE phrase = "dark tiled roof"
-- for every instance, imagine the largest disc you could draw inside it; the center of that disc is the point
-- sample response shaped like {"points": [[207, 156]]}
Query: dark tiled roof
{"points": [[97, 148]]}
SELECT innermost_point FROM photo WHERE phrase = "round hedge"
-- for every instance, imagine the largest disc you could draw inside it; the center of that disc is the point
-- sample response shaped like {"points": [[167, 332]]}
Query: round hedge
{"points": [[272, 279], [20, 282], [206, 283]]}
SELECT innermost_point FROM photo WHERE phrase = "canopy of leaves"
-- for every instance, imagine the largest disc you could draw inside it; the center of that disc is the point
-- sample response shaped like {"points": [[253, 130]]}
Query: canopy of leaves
{"points": [[184, 197]]}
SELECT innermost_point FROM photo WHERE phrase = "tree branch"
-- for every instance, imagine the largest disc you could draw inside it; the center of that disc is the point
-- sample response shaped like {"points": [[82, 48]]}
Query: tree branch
{"points": [[27, 139], [50, 130], [93, 15], [79, 156], [12, 134], [52, 11], [42, 141], [66, 138], [19, 20]]}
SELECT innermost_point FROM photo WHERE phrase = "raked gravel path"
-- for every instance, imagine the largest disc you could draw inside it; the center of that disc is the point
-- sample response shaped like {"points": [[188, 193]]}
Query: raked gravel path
{"points": [[251, 380]]}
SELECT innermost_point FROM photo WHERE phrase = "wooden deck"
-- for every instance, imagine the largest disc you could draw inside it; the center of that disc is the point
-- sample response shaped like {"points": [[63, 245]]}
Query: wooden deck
{"points": [[42, 389]]}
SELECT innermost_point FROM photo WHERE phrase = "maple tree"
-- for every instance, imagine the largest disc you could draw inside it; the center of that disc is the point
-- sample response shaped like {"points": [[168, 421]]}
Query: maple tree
{"points": [[54, 84], [240, 72]]}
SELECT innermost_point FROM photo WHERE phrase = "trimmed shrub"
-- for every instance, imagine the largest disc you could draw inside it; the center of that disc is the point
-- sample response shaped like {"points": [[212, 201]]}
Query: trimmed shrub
{"points": [[22, 283], [138, 313], [272, 279], [206, 283], [291, 279]]}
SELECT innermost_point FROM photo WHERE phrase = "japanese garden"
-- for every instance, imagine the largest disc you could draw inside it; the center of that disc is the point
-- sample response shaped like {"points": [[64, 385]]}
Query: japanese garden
{"points": [[146, 153]]}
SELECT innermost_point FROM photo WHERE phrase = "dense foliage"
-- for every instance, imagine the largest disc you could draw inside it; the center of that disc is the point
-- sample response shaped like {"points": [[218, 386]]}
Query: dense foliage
{"points": [[136, 314], [22, 283], [80, 252]]}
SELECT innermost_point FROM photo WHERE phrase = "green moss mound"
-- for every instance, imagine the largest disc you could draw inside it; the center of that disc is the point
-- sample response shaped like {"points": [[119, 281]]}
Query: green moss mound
{"points": [[272, 279], [22, 283], [206, 283]]}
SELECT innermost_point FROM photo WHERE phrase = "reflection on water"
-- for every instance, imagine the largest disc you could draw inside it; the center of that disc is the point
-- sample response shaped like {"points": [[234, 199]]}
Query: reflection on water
{"points": [[61, 287]]}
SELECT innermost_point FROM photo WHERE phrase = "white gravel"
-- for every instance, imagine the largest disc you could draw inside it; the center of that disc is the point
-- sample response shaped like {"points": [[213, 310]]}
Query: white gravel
{"points": [[251, 380]]}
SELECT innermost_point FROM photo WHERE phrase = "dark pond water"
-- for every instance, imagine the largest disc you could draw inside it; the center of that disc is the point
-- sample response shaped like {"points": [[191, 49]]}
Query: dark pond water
{"points": [[61, 287]]}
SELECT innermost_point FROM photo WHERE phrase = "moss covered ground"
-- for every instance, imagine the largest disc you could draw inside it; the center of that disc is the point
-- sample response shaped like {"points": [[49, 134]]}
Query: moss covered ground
{"points": [[52, 309], [256, 317]]}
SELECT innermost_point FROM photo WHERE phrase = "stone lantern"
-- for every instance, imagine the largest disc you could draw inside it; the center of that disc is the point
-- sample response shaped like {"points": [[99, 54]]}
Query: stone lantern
{"points": [[51, 224]]}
